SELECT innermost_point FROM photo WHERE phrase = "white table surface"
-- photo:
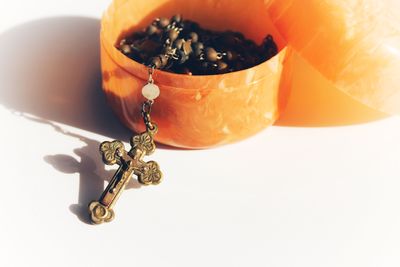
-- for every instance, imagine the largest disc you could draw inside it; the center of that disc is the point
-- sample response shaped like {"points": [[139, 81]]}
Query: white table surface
{"points": [[290, 196]]}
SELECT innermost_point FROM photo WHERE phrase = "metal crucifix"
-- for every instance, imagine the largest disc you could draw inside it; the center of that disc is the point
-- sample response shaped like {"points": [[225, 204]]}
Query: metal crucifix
{"points": [[129, 163]]}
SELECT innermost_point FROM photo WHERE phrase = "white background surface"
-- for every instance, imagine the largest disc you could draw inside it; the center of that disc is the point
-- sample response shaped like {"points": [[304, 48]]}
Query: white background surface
{"points": [[289, 196]]}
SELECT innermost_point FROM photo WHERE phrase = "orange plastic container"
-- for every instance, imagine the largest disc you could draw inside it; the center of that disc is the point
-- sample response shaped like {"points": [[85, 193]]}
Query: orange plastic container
{"points": [[345, 57], [196, 111]]}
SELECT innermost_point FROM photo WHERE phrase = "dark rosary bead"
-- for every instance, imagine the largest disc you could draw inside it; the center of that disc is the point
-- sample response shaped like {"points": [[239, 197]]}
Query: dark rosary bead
{"points": [[231, 56], [163, 22], [211, 54], [198, 52], [178, 43], [269, 38], [182, 57], [269, 48], [149, 46], [187, 47], [222, 65], [151, 30], [122, 42], [198, 49], [173, 35], [164, 60], [177, 18], [197, 45], [156, 62], [126, 49], [193, 36]]}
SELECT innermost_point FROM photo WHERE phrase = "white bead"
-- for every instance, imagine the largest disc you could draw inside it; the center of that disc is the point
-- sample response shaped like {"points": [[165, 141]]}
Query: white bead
{"points": [[151, 91]]}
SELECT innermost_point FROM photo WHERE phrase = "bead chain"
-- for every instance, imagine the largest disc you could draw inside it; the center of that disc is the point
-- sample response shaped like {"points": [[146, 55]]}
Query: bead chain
{"points": [[181, 45]]}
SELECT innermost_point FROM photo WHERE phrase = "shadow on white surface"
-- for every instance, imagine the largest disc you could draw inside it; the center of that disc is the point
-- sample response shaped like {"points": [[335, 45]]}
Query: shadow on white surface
{"points": [[50, 68], [92, 173]]}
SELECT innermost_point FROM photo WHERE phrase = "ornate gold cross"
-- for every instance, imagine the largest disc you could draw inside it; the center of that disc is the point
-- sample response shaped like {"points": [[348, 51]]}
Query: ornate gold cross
{"points": [[129, 163]]}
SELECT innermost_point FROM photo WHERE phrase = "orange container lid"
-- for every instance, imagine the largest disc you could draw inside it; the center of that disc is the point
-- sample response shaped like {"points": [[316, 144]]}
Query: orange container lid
{"points": [[353, 44]]}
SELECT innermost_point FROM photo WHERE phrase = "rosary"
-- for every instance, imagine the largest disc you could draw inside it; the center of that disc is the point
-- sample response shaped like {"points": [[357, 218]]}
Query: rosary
{"points": [[179, 46]]}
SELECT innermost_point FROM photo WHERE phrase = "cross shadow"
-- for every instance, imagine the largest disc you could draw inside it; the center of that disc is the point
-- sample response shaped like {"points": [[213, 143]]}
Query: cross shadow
{"points": [[91, 170]]}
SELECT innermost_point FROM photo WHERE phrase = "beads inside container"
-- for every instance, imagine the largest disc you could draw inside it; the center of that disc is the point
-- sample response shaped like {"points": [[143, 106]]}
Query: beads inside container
{"points": [[182, 46]]}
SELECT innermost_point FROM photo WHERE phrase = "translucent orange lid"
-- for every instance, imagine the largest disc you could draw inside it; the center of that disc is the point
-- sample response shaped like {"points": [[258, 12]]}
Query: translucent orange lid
{"points": [[353, 44]]}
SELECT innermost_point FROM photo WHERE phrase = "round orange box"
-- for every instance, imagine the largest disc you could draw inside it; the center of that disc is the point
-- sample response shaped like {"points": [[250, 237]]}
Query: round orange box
{"points": [[196, 111]]}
